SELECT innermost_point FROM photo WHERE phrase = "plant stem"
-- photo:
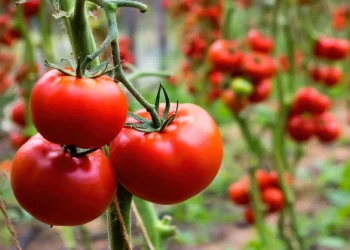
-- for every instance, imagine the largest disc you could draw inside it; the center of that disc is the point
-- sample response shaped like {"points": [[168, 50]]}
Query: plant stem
{"points": [[279, 145], [79, 31], [45, 30], [257, 205], [115, 235], [141, 74], [158, 230], [85, 238], [281, 230]]}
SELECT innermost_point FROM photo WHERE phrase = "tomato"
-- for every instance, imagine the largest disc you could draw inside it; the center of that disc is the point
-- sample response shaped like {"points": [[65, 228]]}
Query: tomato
{"points": [[263, 179], [339, 50], [216, 78], [262, 91], [234, 102], [273, 198], [323, 46], [274, 181], [310, 100], [87, 113], [258, 42], [333, 76], [249, 215], [17, 139], [327, 128], [17, 113], [171, 166], [58, 189], [239, 192], [317, 74], [225, 55], [31, 7], [259, 66], [301, 128]]}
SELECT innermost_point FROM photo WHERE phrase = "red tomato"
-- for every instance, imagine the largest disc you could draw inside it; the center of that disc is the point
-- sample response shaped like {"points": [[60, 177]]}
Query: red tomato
{"points": [[258, 42], [249, 215], [216, 78], [263, 179], [273, 198], [274, 181], [225, 55], [339, 50], [259, 66], [300, 128], [333, 76], [31, 7], [17, 113], [310, 100], [87, 113], [171, 166], [239, 192], [323, 46], [262, 91], [327, 128], [235, 103], [317, 74], [17, 139], [60, 190]]}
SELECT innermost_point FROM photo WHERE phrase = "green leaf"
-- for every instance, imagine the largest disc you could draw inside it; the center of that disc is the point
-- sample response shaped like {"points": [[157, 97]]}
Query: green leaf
{"points": [[332, 242], [338, 198]]}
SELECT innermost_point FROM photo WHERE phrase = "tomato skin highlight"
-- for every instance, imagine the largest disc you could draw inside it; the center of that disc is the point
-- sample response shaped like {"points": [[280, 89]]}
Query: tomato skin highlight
{"points": [[171, 166], [60, 190], [87, 113]]}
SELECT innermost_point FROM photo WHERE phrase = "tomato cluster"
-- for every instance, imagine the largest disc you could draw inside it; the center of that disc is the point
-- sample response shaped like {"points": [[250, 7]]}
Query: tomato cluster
{"points": [[331, 48], [8, 32], [270, 192], [309, 117], [255, 68], [329, 76]]}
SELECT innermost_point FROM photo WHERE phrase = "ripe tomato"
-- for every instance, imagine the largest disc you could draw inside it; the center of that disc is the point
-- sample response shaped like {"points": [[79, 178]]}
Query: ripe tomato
{"points": [[216, 78], [301, 128], [323, 46], [317, 74], [17, 139], [333, 76], [58, 189], [274, 181], [31, 7], [258, 42], [263, 179], [171, 166], [235, 103], [17, 113], [225, 55], [339, 50], [274, 198], [87, 113], [259, 66], [239, 192], [327, 128], [261, 91], [310, 100], [249, 215]]}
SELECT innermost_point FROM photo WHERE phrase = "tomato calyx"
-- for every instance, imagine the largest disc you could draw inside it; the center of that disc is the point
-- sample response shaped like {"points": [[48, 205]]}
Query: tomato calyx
{"points": [[77, 152], [78, 70], [147, 126]]}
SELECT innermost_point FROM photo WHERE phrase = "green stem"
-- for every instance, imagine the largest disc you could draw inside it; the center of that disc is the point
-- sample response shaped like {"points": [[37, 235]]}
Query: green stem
{"points": [[45, 30], [281, 230], [253, 143], [68, 238], [141, 74], [79, 31], [226, 29], [115, 235], [85, 238], [119, 72], [257, 205], [279, 145], [157, 230]]}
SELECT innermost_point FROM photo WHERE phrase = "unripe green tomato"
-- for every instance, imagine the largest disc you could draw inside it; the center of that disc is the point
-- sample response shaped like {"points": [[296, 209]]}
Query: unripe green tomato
{"points": [[241, 87]]}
